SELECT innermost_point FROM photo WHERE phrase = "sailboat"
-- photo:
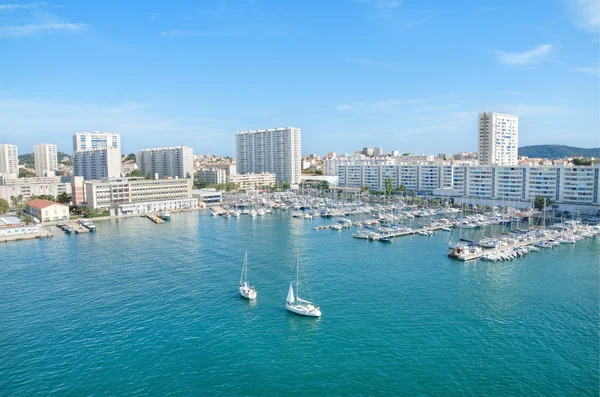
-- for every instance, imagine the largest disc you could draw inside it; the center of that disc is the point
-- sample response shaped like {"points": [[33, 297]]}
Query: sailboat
{"points": [[297, 305], [246, 291]]}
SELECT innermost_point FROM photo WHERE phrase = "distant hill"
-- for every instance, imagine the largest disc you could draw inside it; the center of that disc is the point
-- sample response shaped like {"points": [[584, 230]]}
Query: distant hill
{"points": [[28, 160], [557, 151]]}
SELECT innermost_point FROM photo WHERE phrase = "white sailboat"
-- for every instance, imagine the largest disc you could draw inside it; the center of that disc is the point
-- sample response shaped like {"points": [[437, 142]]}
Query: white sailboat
{"points": [[297, 305], [245, 290]]}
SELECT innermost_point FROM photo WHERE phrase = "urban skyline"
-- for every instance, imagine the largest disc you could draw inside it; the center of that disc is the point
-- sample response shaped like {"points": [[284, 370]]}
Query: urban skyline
{"points": [[542, 65]]}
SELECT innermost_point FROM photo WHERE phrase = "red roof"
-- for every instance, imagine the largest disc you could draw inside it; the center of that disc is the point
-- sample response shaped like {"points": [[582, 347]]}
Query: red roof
{"points": [[40, 204]]}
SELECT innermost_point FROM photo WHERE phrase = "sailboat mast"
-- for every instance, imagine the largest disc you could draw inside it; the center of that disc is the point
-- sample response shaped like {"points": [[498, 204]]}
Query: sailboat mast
{"points": [[296, 277]]}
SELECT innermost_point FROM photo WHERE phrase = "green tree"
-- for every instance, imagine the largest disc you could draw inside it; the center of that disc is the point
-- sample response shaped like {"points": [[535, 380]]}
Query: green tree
{"points": [[63, 198], [187, 175], [130, 156], [17, 203], [539, 203], [4, 206], [200, 184], [389, 189], [149, 176], [25, 173], [27, 219], [285, 185], [134, 173]]}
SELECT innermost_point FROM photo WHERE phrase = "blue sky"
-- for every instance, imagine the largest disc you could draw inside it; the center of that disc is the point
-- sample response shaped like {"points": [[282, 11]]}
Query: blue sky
{"points": [[406, 75]]}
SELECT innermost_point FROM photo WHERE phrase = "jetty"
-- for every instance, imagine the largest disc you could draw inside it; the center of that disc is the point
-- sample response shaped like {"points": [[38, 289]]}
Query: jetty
{"points": [[154, 218], [72, 227]]}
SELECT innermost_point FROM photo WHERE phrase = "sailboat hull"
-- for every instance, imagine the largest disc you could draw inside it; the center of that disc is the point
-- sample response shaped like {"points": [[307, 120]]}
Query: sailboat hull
{"points": [[248, 293], [303, 310]]}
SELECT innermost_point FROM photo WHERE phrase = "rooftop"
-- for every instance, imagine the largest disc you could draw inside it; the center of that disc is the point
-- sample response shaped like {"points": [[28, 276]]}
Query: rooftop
{"points": [[40, 204]]}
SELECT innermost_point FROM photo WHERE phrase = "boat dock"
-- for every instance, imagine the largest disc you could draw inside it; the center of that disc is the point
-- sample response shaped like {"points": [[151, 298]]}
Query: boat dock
{"points": [[72, 227], [42, 233], [154, 218]]}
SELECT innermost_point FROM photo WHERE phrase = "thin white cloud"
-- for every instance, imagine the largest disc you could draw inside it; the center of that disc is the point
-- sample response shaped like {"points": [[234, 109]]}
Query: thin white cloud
{"points": [[594, 71], [530, 57], [154, 16], [32, 29], [410, 24], [12, 7], [587, 15]]}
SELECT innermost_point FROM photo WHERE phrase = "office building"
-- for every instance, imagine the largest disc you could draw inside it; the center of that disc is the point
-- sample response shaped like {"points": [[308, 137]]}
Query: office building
{"points": [[9, 159], [46, 159], [498, 139], [96, 140], [97, 163], [127, 196], [174, 162], [276, 151]]}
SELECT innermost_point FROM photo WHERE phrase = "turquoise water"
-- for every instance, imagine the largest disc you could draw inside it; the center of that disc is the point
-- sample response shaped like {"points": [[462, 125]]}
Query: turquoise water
{"points": [[145, 309]]}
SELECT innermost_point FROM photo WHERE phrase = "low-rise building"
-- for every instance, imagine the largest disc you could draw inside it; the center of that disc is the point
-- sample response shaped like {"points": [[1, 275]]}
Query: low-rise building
{"points": [[126, 196], [253, 181], [46, 211], [208, 196], [212, 175], [13, 226]]}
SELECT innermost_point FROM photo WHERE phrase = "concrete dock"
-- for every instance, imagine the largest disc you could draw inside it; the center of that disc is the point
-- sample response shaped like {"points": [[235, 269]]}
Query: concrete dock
{"points": [[154, 218]]}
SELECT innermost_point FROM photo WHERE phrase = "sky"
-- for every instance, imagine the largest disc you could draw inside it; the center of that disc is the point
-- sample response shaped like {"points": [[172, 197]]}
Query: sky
{"points": [[398, 74]]}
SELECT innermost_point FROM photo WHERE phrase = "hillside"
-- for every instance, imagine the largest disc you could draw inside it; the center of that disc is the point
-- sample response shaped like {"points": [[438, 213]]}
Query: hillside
{"points": [[27, 159], [557, 151]]}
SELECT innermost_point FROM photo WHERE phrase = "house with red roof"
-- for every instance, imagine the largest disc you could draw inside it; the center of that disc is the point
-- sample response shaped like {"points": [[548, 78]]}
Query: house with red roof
{"points": [[46, 211]]}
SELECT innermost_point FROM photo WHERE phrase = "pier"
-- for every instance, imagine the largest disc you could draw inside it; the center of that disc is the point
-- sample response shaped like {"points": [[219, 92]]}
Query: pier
{"points": [[72, 227], [154, 218]]}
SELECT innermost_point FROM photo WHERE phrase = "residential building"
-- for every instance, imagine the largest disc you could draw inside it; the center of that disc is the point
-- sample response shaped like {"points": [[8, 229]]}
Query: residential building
{"points": [[212, 175], [77, 190], [566, 186], [367, 151], [46, 211], [128, 166], [126, 196], [96, 140], [276, 151], [498, 139], [254, 181], [377, 152], [28, 187], [97, 163], [9, 159], [46, 159], [174, 162]]}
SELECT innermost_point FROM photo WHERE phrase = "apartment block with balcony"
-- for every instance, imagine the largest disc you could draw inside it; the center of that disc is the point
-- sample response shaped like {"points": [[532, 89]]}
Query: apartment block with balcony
{"points": [[174, 162]]}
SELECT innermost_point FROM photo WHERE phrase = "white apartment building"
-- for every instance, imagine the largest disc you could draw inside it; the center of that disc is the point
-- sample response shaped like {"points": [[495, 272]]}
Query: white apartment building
{"points": [[175, 162], [498, 139], [9, 159], [126, 196], [46, 159], [96, 140], [212, 175], [97, 163], [275, 151], [567, 186], [254, 181], [28, 187], [331, 163]]}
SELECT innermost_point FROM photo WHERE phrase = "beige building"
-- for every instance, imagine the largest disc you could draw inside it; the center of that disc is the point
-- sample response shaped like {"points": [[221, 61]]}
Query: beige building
{"points": [[46, 160], [123, 196], [253, 181], [46, 211]]}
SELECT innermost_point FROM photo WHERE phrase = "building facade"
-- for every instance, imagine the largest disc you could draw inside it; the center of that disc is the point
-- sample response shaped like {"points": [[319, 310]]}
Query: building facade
{"points": [[9, 159], [28, 187], [96, 140], [254, 181], [46, 211], [561, 184], [276, 151], [46, 159], [212, 175], [97, 163], [126, 196], [174, 162], [498, 139]]}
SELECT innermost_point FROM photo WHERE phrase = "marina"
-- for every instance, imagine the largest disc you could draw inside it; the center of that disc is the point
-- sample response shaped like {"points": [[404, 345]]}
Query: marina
{"points": [[182, 310]]}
